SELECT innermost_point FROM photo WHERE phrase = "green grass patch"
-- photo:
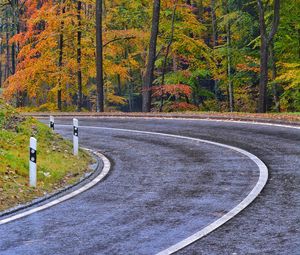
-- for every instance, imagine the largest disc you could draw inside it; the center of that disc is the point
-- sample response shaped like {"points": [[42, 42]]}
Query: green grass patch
{"points": [[57, 167]]}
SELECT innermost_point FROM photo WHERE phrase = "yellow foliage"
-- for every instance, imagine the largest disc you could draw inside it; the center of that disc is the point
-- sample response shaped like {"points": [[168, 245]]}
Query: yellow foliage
{"points": [[290, 75]]}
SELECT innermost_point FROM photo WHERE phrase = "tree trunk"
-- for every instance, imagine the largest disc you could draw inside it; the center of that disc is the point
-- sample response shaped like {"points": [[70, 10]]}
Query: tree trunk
{"points": [[299, 43], [13, 58], [7, 64], [264, 54], [214, 44], [274, 74], [79, 72], [13, 32], [1, 71], [167, 55], [214, 23], [229, 64], [99, 57], [119, 90], [149, 74], [263, 81], [60, 62], [130, 96], [0, 74]]}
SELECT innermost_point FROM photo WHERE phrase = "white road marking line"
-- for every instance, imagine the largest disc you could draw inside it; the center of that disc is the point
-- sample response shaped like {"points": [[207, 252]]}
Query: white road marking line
{"points": [[253, 122], [247, 122], [104, 172], [263, 178]]}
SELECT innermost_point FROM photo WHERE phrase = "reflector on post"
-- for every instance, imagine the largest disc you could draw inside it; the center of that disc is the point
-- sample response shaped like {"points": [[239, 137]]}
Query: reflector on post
{"points": [[32, 162], [51, 123], [75, 136]]}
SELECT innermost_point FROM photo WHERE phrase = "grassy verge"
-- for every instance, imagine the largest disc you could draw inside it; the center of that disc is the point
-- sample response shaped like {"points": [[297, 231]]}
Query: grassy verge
{"points": [[57, 167]]}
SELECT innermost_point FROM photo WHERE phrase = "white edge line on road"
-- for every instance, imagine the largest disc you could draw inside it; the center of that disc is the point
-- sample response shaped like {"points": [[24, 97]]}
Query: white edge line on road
{"points": [[263, 178], [248, 122], [253, 122], [97, 179]]}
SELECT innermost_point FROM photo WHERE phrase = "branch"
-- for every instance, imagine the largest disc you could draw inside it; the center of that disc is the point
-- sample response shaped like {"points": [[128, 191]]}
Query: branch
{"points": [[261, 18], [159, 52], [119, 39], [275, 22], [169, 44], [11, 3], [22, 5]]}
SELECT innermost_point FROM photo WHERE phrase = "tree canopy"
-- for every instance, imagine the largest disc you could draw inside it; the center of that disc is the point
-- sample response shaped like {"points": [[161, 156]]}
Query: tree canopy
{"points": [[210, 55]]}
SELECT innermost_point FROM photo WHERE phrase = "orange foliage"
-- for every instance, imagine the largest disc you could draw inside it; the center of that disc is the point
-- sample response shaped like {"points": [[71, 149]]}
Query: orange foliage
{"points": [[182, 106], [176, 90], [251, 65], [247, 68]]}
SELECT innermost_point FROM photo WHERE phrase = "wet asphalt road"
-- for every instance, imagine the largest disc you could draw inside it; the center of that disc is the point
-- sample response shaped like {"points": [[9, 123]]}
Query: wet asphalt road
{"points": [[162, 190]]}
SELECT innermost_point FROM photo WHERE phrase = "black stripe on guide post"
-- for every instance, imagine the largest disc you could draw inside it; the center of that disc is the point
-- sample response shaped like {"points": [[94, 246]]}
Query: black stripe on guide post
{"points": [[75, 131], [32, 155]]}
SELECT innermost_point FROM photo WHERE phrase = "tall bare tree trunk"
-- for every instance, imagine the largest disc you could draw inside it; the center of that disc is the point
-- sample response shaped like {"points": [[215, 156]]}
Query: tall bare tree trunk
{"points": [[99, 57], [214, 23], [119, 90], [60, 61], [274, 74], [264, 54], [299, 43], [13, 58], [214, 44], [13, 32], [7, 64], [167, 54], [0, 73], [229, 66], [1, 52], [149, 74], [79, 72], [262, 101]]}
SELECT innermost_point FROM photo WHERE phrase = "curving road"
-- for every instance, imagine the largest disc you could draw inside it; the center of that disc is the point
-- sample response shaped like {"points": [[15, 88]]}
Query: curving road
{"points": [[162, 190]]}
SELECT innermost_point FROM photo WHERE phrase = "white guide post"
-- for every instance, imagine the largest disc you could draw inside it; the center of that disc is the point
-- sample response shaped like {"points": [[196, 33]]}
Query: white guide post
{"points": [[75, 136], [32, 162], [51, 123]]}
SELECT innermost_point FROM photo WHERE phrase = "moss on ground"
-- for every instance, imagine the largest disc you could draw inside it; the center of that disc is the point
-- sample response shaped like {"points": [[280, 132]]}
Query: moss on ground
{"points": [[57, 167]]}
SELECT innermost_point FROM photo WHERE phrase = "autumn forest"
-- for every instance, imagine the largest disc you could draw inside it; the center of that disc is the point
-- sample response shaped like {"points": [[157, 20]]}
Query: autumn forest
{"points": [[151, 55]]}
